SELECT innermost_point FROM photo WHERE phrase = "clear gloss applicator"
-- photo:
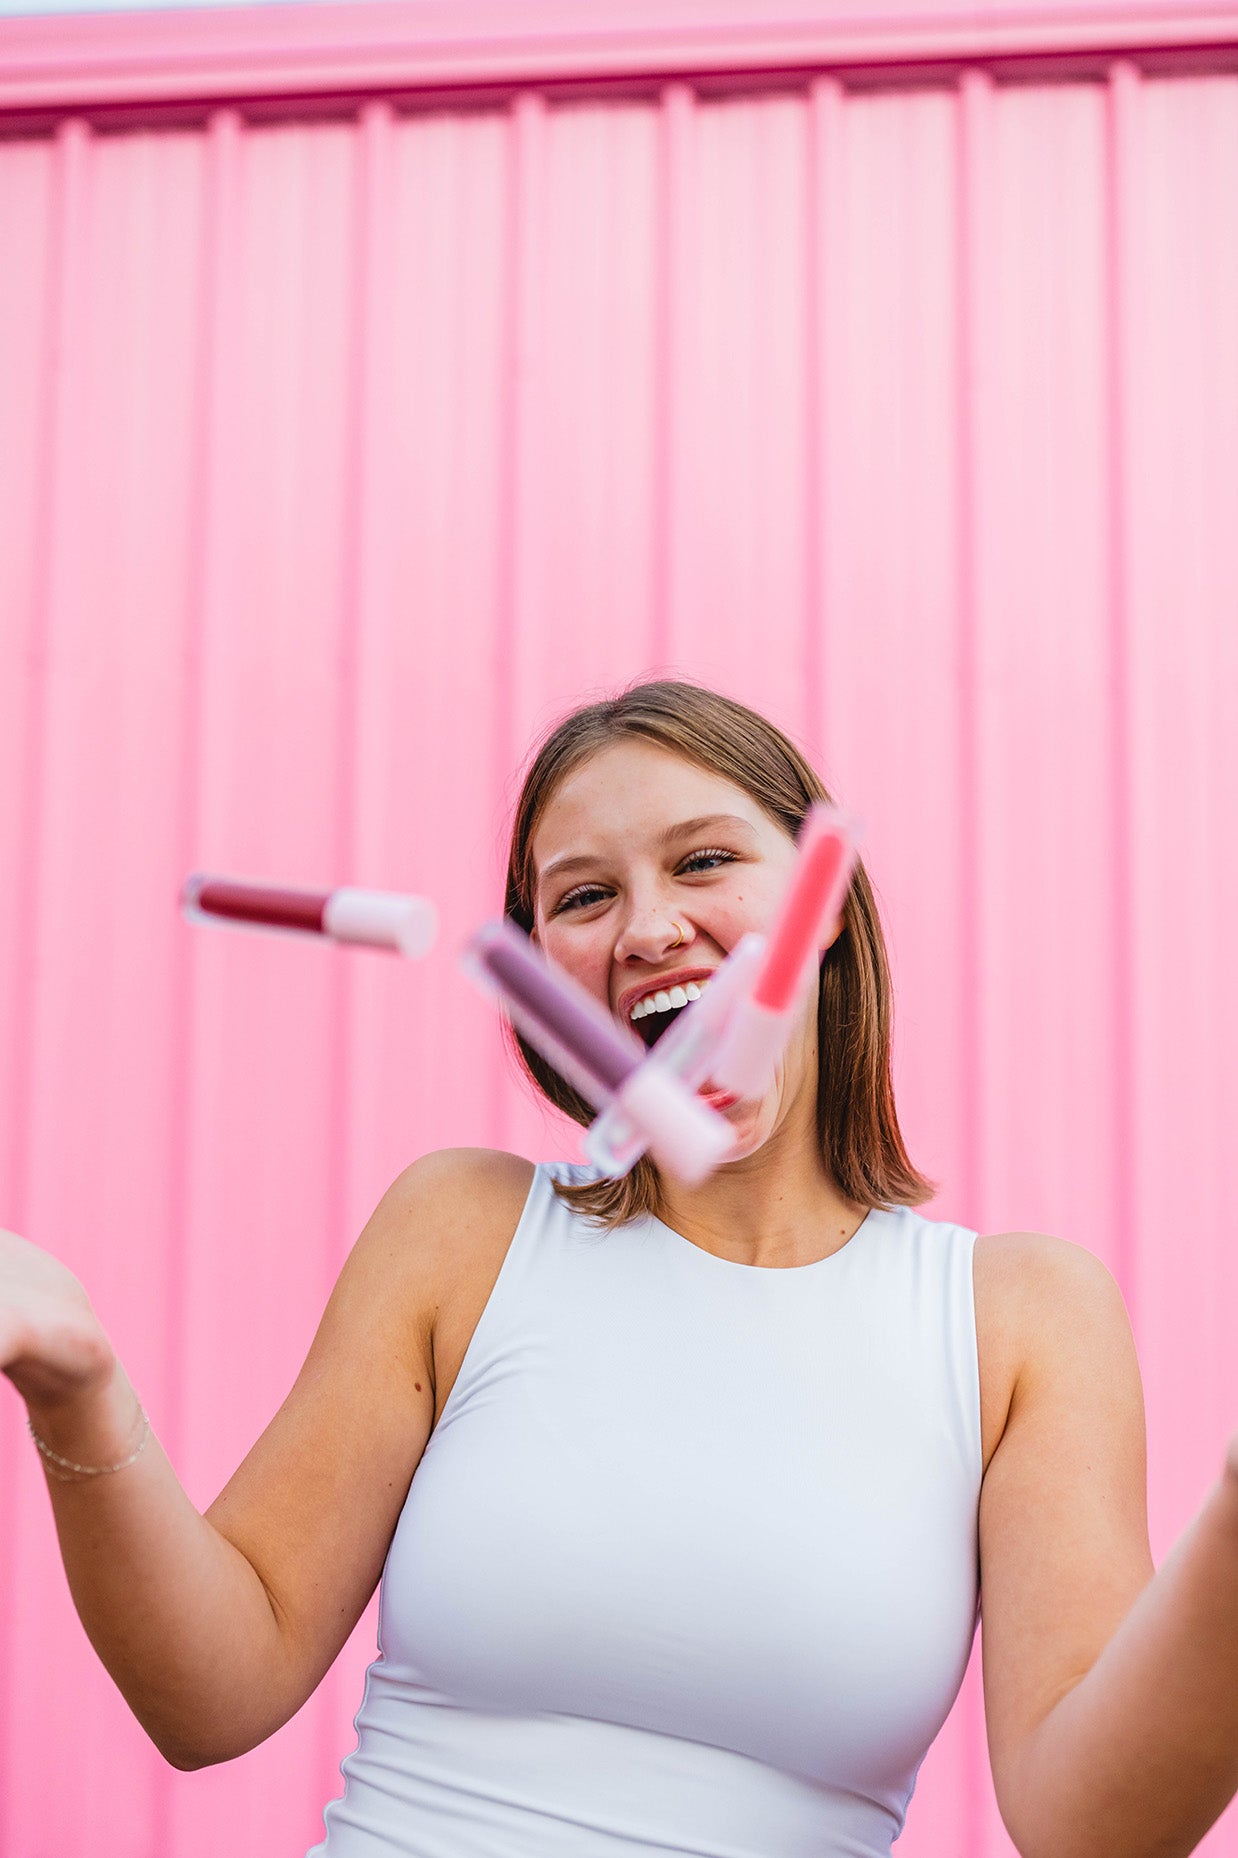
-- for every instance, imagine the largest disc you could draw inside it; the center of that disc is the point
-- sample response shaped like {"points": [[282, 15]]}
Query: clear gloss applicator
{"points": [[686, 1050]]}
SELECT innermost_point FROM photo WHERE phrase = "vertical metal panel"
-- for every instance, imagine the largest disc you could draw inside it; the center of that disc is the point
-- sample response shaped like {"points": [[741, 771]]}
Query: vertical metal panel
{"points": [[892, 717], [430, 702], [1044, 766], [29, 221], [893, 705], [266, 1025], [1180, 293], [1041, 760], [738, 608], [1178, 153], [341, 456], [96, 1171], [582, 303]]}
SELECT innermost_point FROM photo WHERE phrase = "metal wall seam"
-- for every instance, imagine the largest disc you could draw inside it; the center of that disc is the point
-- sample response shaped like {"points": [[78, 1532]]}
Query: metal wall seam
{"points": [[524, 120], [211, 594], [975, 132], [208, 449], [676, 171], [975, 112], [365, 552], [823, 143], [1122, 105]]}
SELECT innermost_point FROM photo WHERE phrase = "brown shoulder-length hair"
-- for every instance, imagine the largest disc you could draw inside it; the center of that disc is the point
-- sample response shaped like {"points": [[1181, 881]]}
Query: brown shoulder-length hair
{"points": [[861, 1143]]}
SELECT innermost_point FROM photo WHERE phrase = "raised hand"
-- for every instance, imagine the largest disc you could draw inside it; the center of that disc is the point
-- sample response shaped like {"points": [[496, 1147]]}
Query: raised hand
{"points": [[52, 1346]]}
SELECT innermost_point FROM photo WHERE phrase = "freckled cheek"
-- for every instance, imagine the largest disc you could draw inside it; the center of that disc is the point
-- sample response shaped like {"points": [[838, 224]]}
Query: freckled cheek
{"points": [[737, 916], [586, 959]]}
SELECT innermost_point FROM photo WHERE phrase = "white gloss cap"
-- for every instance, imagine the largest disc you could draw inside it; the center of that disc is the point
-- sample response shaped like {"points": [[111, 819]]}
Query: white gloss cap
{"points": [[381, 919], [684, 1134]]}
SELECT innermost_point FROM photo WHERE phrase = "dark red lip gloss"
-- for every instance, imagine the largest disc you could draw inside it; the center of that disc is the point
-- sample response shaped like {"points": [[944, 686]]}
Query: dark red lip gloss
{"points": [[370, 918]]}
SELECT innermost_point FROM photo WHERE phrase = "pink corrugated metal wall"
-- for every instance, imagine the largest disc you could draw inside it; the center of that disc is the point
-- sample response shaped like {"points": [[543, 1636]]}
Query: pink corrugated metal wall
{"points": [[339, 454]]}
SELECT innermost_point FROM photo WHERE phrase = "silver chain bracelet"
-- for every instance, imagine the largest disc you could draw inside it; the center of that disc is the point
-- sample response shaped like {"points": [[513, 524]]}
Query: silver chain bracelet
{"points": [[66, 1471]]}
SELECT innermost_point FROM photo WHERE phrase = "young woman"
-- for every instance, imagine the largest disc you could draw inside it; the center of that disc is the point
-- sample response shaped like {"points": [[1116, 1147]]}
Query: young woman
{"points": [[683, 1500]]}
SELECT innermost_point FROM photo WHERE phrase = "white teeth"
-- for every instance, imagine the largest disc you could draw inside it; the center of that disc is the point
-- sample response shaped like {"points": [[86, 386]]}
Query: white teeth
{"points": [[665, 1001]]}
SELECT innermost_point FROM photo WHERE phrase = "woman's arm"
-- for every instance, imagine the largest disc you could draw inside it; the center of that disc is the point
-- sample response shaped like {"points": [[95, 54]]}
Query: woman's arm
{"points": [[216, 1628], [1111, 1692]]}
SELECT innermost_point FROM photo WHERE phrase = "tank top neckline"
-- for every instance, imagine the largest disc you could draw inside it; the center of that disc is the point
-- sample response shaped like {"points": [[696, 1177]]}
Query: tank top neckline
{"points": [[765, 1270]]}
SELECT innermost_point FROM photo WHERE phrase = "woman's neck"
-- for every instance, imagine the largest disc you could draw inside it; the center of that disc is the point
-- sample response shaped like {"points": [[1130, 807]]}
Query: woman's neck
{"points": [[776, 1208]]}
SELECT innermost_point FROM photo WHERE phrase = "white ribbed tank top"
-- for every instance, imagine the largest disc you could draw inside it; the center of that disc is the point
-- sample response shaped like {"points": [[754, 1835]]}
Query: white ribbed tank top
{"points": [[689, 1564]]}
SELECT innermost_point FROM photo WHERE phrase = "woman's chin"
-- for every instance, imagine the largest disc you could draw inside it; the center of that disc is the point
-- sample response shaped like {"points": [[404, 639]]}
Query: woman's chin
{"points": [[751, 1128]]}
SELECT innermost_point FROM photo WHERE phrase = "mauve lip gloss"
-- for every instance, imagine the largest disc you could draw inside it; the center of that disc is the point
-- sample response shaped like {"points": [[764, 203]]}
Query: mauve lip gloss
{"points": [[605, 1061], [368, 918]]}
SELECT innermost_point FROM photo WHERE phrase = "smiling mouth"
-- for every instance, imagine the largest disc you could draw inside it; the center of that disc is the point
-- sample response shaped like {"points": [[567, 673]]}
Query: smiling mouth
{"points": [[652, 1025]]}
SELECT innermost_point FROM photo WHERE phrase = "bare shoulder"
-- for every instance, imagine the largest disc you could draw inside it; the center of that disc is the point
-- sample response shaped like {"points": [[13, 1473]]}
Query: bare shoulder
{"points": [[1036, 1263], [453, 1194], [440, 1212], [454, 1213], [1042, 1304]]}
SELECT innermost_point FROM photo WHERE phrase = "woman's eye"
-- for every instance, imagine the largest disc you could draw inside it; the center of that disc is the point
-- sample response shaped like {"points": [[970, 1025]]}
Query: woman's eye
{"points": [[589, 893], [715, 856], [576, 899]]}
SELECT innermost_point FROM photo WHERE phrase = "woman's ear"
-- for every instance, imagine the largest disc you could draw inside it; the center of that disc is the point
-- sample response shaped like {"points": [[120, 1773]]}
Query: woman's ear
{"points": [[836, 930]]}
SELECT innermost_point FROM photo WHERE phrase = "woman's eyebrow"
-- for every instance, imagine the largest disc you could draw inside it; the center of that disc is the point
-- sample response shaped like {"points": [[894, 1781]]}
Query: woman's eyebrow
{"points": [[684, 829]]}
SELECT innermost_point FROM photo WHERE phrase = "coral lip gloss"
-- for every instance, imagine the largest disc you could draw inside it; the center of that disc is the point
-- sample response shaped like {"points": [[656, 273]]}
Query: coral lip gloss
{"points": [[760, 1023], [371, 918]]}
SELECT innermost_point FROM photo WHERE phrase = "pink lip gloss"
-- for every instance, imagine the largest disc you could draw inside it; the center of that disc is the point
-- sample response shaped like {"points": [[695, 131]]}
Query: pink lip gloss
{"points": [[604, 1061], [760, 1024], [370, 918]]}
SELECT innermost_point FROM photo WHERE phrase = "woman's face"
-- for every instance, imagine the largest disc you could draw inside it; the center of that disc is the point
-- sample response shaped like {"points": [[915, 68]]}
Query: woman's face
{"points": [[638, 844]]}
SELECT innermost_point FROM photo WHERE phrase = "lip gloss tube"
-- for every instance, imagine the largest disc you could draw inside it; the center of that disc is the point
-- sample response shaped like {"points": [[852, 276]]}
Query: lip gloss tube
{"points": [[604, 1061], [761, 1024], [687, 1050], [371, 918]]}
